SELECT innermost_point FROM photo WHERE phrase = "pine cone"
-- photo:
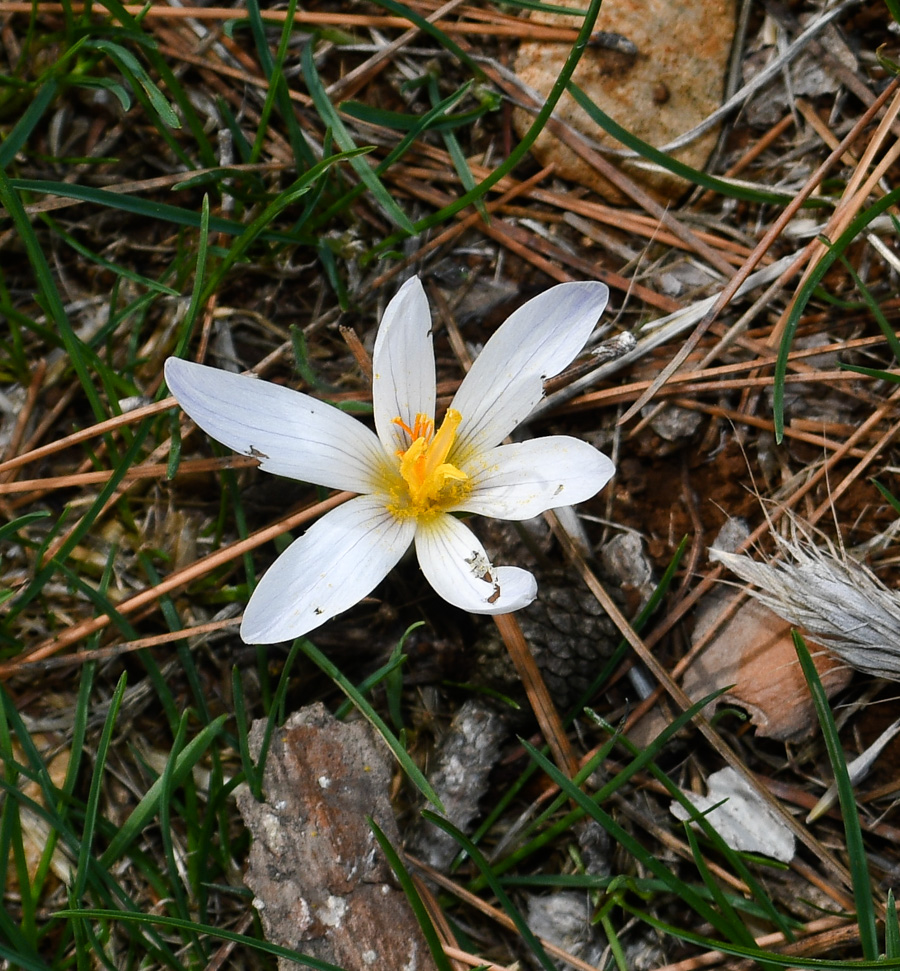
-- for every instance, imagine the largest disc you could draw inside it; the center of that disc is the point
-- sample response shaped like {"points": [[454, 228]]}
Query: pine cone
{"points": [[570, 637]]}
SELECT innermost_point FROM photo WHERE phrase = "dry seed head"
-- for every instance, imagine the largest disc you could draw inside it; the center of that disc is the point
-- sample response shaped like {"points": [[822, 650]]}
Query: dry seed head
{"points": [[836, 599]]}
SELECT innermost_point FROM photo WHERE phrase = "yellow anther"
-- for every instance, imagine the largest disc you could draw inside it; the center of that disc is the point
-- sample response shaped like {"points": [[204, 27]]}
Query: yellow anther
{"points": [[432, 483]]}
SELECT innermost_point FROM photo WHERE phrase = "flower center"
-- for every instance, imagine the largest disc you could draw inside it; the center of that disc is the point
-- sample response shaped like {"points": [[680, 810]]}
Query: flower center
{"points": [[432, 483]]}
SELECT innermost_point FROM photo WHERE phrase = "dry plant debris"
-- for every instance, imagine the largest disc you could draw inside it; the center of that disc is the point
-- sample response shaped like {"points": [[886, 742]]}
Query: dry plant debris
{"points": [[184, 180]]}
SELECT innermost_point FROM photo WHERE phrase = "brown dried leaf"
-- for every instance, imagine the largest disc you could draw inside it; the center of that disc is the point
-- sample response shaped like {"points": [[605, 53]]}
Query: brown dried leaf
{"points": [[321, 883], [754, 651]]}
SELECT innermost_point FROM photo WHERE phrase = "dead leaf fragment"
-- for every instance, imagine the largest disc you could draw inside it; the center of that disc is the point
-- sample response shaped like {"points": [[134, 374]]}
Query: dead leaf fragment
{"points": [[754, 651], [321, 883], [741, 816]]}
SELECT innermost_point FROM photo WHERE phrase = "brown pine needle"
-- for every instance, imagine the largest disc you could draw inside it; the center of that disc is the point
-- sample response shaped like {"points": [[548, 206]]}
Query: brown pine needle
{"points": [[536, 688], [524, 30]]}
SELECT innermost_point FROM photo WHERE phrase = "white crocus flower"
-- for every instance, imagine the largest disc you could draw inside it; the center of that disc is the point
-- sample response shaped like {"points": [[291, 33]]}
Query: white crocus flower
{"points": [[412, 477]]}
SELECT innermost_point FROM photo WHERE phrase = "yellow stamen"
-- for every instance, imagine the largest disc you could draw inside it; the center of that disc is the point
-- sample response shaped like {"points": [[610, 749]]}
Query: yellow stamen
{"points": [[431, 483]]}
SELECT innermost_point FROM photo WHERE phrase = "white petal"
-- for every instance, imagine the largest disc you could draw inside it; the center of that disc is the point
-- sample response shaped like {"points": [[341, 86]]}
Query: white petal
{"points": [[456, 565], [290, 433], [338, 561], [403, 383], [523, 480], [540, 339]]}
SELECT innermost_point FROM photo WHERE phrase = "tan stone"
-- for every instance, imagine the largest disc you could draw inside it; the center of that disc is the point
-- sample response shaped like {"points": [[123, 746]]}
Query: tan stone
{"points": [[674, 81]]}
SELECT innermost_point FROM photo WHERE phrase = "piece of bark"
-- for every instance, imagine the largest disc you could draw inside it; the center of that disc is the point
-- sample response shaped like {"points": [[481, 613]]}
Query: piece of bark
{"points": [[321, 883]]}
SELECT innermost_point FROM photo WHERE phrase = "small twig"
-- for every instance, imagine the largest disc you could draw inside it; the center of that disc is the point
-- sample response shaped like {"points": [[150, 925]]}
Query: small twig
{"points": [[153, 471], [360, 354], [53, 645]]}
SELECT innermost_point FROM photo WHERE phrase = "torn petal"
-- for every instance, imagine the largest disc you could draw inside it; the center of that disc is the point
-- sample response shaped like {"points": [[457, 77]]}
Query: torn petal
{"points": [[455, 564]]}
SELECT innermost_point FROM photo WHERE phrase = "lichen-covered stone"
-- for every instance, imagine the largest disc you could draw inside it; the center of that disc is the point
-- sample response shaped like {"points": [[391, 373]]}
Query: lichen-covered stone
{"points": [[673, 81]]}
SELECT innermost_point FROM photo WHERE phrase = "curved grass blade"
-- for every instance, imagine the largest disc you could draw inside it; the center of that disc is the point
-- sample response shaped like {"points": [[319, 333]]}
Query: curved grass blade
{"points": [[695, 176], [856, 850], [805, 292], [132, 68], [10, 529]]}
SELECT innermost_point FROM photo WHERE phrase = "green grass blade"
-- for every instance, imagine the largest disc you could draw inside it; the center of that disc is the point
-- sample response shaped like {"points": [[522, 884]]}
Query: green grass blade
{"points": [[805, 293], [891, 376], [891, 928], [874, 309], [18, 136], [490, 878], [149, 804], [413, 772], [48, 293], [524, 145], [93, 802], [345, 142], [889, 497], [275, 77], [441, 961], [8, 530], [122, 271], [284, 199], [856, 850], [694, 176], [737, 929], [675, 884], [449, 45], [757, 954], [132, 68], [176, 923]]}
